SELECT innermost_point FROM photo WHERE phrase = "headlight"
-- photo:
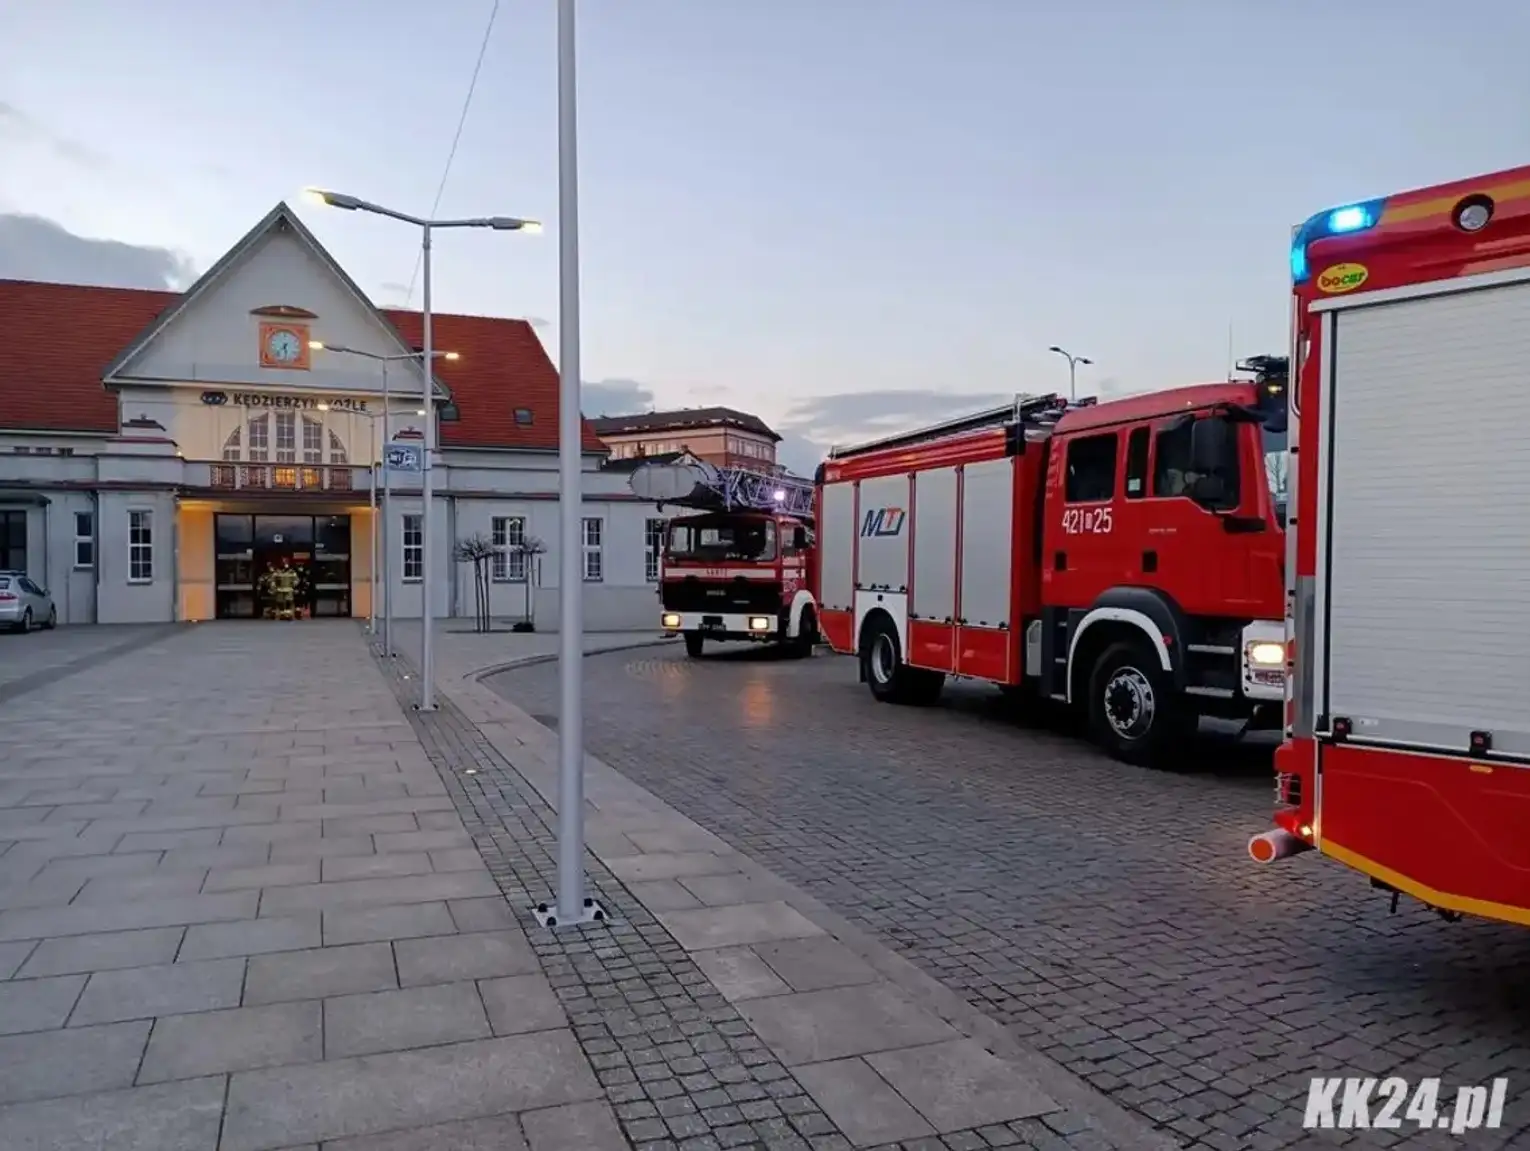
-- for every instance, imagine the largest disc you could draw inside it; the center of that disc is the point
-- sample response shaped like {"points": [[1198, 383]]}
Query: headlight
{"points": [[1266, 653], [759, 623], [672, 620]]}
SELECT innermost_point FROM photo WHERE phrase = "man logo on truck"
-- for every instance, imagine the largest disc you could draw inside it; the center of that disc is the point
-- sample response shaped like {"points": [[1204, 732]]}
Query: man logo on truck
{"points": [[883, 522]]}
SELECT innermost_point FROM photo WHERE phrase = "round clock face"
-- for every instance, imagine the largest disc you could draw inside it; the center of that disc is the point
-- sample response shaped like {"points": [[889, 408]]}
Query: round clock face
{"points": [[284, 347]]}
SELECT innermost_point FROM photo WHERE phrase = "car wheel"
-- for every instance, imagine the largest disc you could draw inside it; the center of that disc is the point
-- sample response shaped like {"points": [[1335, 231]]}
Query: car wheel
{"points": [[52, 618], [26, 622]]}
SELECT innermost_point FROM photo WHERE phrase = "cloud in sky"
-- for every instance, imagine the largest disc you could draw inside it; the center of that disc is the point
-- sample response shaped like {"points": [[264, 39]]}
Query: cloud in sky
{"points": [[35, 248], [22, 126]]}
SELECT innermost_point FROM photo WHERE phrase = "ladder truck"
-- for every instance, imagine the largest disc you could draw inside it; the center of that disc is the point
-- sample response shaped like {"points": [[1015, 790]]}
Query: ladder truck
{"points": [[741, 569], [1407, 731], [1122, 558]]}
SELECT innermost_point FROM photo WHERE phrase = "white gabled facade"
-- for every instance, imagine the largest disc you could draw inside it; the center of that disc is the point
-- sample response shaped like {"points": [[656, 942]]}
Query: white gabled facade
{"points": [[227, 458]]}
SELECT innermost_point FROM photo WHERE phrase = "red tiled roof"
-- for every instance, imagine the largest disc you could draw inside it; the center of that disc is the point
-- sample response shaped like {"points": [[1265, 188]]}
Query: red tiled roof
{"points": [[61, 337]]}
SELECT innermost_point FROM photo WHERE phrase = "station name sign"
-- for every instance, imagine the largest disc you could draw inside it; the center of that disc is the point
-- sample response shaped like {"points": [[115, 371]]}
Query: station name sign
{"points": [[292, 403]]}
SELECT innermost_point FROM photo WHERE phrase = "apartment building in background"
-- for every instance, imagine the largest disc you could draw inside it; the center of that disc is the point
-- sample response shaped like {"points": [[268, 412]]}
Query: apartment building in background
{"points": [[722, 436]]}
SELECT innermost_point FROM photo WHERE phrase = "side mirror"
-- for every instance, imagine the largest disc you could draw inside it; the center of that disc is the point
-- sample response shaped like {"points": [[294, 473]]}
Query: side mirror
{"points": [[1212, 446], [800, 539]]}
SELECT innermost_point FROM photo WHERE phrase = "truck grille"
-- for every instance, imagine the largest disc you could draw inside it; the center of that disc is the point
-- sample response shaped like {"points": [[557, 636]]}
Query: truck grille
{"points": [[739, 595]]}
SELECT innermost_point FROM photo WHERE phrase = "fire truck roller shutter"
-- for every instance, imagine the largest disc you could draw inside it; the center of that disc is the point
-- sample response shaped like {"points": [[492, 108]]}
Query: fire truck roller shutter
{"points": [[882, 556], [1143, 614], [1423, 628]]}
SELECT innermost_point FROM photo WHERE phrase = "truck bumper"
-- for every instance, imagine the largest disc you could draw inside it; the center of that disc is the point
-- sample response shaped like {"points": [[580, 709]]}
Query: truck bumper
{"points": [[725, 625]]}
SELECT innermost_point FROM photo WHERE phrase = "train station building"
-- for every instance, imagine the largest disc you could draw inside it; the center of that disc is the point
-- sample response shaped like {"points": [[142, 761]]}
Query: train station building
{"points": [[161, 453]]}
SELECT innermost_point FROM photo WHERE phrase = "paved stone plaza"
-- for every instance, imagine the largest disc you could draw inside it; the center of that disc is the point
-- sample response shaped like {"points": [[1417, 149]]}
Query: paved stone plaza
{"points": [[1106, 917], [250, 900]]}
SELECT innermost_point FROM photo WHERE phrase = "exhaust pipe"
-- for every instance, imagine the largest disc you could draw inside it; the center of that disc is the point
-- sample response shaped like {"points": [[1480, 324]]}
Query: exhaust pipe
{"points": [[1275, 844]]}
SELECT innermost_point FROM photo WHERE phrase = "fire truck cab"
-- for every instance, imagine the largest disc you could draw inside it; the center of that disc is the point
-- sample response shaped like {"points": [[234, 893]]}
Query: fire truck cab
{"points": [[1124, 558], [1407, 752], [741, 569]]}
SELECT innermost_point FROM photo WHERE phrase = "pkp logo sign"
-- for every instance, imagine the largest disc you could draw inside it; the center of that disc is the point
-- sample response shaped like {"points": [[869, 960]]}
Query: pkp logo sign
{"points": [[883, 522]]}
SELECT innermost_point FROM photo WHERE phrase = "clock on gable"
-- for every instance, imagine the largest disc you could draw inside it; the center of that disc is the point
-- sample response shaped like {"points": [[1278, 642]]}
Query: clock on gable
{"points": [[284, 345]]}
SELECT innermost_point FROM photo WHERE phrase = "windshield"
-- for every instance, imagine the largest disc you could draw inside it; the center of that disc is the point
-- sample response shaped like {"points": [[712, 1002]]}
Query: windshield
{"points": [[720, 541], [1277, 467]]}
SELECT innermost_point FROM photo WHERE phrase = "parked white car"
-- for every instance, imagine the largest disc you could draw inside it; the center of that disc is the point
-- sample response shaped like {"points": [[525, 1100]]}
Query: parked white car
{"points": [[24, 604]]}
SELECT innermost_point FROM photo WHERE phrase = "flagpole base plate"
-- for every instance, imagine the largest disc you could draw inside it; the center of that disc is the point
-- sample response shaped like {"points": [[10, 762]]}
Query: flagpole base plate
{"points": [[546, 914]]}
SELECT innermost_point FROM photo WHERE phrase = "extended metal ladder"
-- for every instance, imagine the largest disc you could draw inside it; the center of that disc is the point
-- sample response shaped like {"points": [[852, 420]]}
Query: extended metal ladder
{"points": [[706, 487], [1029, 411]]}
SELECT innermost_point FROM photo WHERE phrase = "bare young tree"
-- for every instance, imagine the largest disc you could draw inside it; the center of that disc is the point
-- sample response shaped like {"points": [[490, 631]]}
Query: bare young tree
{"points": [[529, 548], [477, 550]]}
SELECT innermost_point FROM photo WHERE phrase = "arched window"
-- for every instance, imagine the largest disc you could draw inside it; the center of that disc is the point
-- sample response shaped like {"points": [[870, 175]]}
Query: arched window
{"points": [[252, 443]]}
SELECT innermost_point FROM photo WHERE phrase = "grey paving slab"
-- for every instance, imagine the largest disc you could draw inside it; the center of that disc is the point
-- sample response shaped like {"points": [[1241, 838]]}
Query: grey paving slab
{"points": [[38, 1004], [165, 989], [396, 1020], [270, 875], [241, 1039], [72, 1061], [573, 1127], [738, 924], [499, 1133], [457, 859], [739, 973], [252, 936], [663, 895], [863, 1104], [224, 857], [91, 866], [182, 1116], [671, 866], [370, 924], [13, 955], [814, 964], [374, 892], [475, 955], [297, 850], [722, 890], [103, 952], [816, 1026], [957, 1084], [336, 868], [160, 885], [42, 923], [520, 1003], [380, 1093], [43, 891], [319, 973], [492, 913]]}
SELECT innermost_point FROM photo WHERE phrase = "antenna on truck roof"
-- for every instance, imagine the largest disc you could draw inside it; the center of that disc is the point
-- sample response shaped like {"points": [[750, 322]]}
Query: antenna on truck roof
{"points": [[1032, 410]]}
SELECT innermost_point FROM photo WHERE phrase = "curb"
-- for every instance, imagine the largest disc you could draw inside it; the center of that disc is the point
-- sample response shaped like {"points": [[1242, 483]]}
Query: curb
{"points": [[552, 657]]}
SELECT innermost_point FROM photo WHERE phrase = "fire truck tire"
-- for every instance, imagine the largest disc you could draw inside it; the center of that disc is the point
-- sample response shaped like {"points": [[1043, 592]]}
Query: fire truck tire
{"points": [[693, 644], [1134, 713], [801, 647], [891, 680]]}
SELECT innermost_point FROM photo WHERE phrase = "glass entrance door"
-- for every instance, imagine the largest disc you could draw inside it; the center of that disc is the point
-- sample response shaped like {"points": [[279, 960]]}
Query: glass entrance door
{"points": [[250, 549]]}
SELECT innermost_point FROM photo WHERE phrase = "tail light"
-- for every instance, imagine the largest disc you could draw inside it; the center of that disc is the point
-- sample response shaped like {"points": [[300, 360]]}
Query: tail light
{"points": [[7, 597]]}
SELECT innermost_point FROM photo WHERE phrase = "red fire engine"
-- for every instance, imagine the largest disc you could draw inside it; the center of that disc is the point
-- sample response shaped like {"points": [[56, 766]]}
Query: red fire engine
{"points": [[1121, 557], [1407, 752], [743, 568]]}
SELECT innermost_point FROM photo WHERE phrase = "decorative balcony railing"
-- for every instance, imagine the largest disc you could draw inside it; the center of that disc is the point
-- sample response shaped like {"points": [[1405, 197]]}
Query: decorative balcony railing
{"points": [[286, 477]]}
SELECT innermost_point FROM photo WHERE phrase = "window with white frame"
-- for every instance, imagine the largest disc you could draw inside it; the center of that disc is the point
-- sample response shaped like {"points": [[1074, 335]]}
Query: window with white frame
{"points": [[653, 545], [414, 547], [140, 547], [594, 563], [260, 439], [84, 540], [508, 534], [231, 445], [286, 437], [337, 450], [313, 441]]}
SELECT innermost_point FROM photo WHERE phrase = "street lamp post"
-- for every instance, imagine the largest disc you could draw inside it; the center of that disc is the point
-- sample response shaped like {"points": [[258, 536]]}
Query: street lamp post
{"points": [[1073, 363], [380, 461], [427, 353]]}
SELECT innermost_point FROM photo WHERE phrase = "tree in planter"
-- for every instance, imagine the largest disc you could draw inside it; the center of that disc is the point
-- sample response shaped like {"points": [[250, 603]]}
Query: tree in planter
{"points": [[529, 549], [478, 550]]}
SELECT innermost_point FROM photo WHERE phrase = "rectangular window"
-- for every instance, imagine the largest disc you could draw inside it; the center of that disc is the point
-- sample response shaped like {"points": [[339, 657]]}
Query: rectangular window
{"points": [[414, 548], [260, 439], [286, 437], [313, 442], [1137, 463], [594, 566], [84, 539], [1091, 469], [13, 541], [1171, 461], [509, 536], [653, 546], [140, 547]]}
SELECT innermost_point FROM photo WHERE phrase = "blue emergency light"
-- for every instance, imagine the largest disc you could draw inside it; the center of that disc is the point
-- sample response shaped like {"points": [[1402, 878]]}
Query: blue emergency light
{"points": [[1334, 222]]}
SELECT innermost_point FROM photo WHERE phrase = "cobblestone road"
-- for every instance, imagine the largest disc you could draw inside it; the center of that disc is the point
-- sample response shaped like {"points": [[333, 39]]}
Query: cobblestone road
{"points": [[1108, 915]]}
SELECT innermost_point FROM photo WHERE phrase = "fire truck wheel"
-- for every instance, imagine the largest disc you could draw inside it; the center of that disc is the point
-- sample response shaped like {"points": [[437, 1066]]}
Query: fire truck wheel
{"points": [[1133, 713], [801, 647], [882, 662], [693, 642]]}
